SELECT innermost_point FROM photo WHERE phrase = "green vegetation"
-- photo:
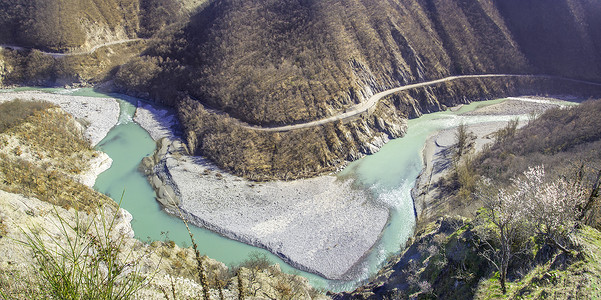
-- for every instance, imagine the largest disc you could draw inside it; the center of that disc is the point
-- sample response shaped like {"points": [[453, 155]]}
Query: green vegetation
{"points": [[94, 262]]}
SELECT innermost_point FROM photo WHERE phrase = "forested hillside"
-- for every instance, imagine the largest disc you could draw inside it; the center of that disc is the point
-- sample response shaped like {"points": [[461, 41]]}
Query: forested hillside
{"points": [[271, 63], [280, 62]]}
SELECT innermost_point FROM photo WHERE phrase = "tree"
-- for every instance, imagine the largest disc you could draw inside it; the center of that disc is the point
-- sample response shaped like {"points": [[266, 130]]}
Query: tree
{"points": [[504, 230], [551, 206], [465, 142]]}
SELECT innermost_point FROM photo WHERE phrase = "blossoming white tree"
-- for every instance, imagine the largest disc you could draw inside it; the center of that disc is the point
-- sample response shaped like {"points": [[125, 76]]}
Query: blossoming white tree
{"points": [[550, 208], [502, 239]]}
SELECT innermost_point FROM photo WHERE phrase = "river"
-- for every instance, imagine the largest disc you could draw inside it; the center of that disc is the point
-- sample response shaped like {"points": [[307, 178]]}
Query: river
{"points": [[389, 175]]}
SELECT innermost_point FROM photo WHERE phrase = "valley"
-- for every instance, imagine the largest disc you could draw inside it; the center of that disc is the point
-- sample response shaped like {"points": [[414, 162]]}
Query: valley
{"points": [[355, 144]]}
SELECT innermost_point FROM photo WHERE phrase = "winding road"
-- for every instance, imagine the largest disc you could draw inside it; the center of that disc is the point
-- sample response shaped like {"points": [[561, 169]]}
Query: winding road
{"points": [[60, 54], [373, 100]]}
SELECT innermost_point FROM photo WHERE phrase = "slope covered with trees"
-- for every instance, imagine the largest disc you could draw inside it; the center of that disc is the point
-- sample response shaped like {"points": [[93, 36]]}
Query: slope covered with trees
{"points": [[61, 25], [272, 63], [281, 62]]}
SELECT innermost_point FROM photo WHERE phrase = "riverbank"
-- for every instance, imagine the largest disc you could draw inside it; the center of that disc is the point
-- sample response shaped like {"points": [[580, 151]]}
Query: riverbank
{"points": [[165, 265], [429, 201], [97, 115]]}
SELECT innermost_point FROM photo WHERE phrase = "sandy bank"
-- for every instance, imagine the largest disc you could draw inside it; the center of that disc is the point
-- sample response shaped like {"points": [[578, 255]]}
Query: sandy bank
{"points": [[437, 152], [321, 225]]}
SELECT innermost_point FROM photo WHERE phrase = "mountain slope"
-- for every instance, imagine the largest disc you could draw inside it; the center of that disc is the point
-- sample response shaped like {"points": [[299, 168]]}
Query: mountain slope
{"points": [[281, 62], [62, 25]]}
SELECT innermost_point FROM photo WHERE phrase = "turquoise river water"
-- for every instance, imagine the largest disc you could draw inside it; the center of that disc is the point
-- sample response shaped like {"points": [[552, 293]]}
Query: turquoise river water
{"points": [[389, 175]]}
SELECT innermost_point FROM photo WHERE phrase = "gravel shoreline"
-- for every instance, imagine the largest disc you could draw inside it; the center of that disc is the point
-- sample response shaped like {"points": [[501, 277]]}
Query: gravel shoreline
{"points": [[321, 225], [437, 152]]}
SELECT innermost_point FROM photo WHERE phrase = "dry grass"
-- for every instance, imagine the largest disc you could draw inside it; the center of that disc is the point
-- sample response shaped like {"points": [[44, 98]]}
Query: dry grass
{"points": [[14, 112], [43, 149]]}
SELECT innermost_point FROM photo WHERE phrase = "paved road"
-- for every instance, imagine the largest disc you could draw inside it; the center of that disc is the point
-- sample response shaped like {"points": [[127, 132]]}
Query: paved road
{"points": [[373, 100], [60, 54]]}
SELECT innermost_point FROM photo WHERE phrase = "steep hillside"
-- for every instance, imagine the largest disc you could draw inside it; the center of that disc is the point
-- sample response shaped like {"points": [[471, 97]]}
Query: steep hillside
{"points": [[63, 25], [448, 258], [280, 62], [271, 63]]}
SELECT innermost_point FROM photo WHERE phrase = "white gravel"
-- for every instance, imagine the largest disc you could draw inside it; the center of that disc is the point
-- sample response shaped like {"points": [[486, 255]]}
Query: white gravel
{"points": [[158, 122], [321, 225], [98, 115]]}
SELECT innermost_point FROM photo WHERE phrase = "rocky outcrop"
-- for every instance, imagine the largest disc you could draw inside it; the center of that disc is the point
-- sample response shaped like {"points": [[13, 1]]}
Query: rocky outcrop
{"points": [[160, 181]]}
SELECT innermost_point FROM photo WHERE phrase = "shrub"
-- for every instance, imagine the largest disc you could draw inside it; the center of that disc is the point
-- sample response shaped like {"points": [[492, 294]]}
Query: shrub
{"points": [[87, 261]]}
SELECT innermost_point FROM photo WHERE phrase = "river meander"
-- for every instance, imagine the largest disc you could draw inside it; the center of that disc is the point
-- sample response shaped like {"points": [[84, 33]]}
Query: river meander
{"points": [[389, 175]]}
